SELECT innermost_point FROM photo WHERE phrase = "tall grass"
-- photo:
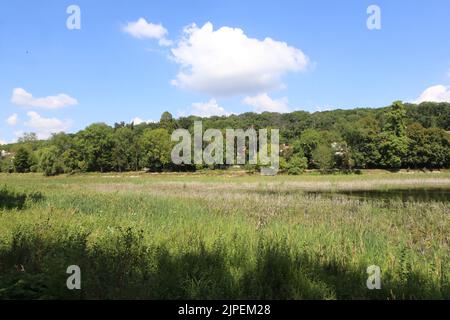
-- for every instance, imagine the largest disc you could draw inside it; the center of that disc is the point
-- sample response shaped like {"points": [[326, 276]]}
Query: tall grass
{"points": [[218, 238]]}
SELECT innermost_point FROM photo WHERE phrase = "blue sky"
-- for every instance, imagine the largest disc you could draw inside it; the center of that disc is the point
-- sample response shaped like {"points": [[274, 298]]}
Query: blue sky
{"points": [[321, 56]]}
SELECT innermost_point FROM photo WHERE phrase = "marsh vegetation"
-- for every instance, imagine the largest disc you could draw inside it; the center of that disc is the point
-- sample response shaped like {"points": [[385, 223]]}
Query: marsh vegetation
{"points": [[222, 237]]}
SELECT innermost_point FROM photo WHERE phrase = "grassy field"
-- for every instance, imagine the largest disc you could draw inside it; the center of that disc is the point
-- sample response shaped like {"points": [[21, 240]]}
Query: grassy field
{"points": [[222, 236]]}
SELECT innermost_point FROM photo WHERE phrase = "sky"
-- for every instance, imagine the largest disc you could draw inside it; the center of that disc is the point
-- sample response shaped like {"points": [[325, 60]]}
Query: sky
{"points": [[132, 60]]}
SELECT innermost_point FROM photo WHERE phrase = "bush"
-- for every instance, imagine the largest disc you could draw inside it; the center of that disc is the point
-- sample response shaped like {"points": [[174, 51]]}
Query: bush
{"points": [[297, 165]]}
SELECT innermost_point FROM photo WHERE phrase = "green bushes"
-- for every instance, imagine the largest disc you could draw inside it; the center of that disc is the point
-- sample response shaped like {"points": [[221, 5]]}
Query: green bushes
{"points": [[297, 165]]}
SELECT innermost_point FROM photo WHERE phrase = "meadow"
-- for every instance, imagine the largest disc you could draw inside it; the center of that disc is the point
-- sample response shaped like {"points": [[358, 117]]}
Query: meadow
{"points": [[221, 236]]}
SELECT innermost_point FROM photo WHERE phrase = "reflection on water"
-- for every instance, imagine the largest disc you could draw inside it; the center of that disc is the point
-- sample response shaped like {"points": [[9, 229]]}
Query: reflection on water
{"points": [[405, 195]]}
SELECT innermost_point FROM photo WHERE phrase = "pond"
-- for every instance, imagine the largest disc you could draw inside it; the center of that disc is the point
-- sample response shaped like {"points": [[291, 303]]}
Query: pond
{"points": [[405, 195]]}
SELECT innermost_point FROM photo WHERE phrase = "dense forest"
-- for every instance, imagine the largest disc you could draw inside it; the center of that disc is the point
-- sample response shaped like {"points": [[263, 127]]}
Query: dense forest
{"points": [[399, 136]]}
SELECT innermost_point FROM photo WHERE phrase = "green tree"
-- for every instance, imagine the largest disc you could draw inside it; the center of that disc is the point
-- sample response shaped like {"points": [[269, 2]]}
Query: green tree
{"points": [[29, 140], [61, 141], [125, 153], [396, 119], [72, 162], [362, 137], [167, 122], [157, 147], [95, 144], [308, 142], [393, 150], [7, 164], [22, 160], [50, 162], [323, 157], [393, 142], [428, 148]]}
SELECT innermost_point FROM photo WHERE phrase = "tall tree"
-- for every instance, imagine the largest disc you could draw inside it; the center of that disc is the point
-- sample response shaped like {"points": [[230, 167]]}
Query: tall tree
{"points": [[156, 147], [125, 154], [393, 144], [396, 119], [95, 143], [50, 161], [22, 160], [167, 122]]}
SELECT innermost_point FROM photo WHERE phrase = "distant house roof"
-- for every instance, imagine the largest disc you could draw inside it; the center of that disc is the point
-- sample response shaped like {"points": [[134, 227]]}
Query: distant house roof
{"points": [[4, 153]]}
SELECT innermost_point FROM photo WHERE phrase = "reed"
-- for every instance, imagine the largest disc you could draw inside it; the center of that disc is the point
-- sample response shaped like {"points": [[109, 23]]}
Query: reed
{"points": [[220, 237]]}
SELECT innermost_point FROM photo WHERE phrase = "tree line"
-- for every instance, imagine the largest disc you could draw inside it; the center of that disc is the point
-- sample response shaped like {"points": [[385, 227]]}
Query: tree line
{"points": [[395, 137]]}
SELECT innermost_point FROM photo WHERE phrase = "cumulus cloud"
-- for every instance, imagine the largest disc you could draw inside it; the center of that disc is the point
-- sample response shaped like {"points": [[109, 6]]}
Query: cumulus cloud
{"points": [[2, 142], [208, 109], [438, 93], [12, 120], [262, 102], [142, 29], [22, 98], [44, 127], [226, 62]]}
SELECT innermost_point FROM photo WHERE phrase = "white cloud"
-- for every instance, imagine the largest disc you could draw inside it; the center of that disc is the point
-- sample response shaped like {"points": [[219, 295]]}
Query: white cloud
{"points": [[2, 142], [226, 62], [208, 109], [12, 120], [138, 120], [44, 127], [22, 98], [164, 42], [262, 102], [142, 29], [438, 93]]}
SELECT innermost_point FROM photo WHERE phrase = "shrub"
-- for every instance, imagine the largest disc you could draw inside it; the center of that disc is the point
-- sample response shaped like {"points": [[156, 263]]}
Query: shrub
{"points": [[297, 165]]}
